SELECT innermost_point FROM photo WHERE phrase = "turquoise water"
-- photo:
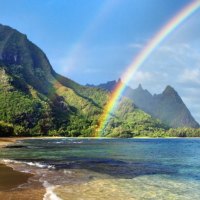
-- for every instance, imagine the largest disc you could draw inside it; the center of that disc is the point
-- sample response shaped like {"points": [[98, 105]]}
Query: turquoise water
{"points": [[114, 168]]}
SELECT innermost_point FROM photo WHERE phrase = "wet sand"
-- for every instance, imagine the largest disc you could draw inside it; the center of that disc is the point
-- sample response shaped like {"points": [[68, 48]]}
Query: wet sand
{"points": [[7, 141], [18, 185], [4, 141], [10, 179], [12, 185]]}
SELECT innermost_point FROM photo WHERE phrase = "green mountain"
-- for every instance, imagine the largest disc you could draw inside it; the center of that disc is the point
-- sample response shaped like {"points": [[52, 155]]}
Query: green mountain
{"points": [[168, 106], [35, 100]]}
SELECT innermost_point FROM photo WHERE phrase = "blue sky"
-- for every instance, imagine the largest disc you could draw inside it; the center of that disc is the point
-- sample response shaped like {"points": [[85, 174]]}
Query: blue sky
{"points": [[93, 41]]}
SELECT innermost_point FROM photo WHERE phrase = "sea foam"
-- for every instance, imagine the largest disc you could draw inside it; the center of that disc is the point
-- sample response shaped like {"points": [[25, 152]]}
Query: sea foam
{"points": [[50, 194], [35, 164]]}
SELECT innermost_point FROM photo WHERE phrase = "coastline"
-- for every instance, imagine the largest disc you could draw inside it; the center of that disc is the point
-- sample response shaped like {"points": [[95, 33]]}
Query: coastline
{"points": [[15, 184], [7, 141], [29, 185]]}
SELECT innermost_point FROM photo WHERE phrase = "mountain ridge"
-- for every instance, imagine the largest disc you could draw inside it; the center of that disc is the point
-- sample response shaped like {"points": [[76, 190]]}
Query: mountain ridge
{"points": [[35, 100], [167, 106]]}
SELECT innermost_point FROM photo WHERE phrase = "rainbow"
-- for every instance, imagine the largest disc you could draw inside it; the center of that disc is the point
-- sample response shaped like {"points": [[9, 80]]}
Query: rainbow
{"points": [[141, 58]]}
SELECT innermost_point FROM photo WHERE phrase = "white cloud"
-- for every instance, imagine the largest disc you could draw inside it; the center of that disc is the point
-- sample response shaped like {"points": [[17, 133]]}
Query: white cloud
{"points": [[141, 76], [177, 55], [146, 76], [135, 45], [190, 76], [150, 80]]}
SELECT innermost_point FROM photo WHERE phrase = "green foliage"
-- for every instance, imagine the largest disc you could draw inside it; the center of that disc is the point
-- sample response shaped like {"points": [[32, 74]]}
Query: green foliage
{"points": [[6, 129], [80, 126], [129, 121], [183, 132], [67, 113], [36, 101]]}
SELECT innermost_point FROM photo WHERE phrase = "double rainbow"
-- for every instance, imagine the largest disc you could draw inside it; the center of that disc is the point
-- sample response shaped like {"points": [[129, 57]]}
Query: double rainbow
{"points": [[141, 58]]}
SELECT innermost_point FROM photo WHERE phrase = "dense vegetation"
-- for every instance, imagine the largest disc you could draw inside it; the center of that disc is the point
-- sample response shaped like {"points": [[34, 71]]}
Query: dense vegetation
{"points": [[176, 132], [36, 101], [65, 113]]}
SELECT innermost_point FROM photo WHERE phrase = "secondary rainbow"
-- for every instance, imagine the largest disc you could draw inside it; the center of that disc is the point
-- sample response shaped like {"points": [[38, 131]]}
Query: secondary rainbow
{"points": [[141, 58]]}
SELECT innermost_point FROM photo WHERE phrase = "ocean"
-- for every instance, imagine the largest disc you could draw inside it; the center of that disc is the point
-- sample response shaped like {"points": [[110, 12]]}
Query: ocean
{"points": [[77, 168]]}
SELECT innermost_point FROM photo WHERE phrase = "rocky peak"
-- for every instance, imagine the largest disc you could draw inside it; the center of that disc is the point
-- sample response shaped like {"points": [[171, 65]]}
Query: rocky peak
{"points": [[170, 91], [140, 87]]}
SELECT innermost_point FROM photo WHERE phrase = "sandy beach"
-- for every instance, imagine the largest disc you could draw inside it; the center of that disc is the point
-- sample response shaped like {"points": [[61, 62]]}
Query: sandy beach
{"points": [[18, 185], [6, 141]]}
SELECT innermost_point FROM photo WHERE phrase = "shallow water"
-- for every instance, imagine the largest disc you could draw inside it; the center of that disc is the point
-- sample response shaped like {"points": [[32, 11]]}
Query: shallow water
{"points": [[117, 169]]}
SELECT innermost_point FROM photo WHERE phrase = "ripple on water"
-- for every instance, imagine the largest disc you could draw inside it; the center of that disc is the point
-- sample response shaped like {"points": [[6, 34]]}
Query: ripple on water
{"points": [[75, 184], [153, 187], [124, 169]]}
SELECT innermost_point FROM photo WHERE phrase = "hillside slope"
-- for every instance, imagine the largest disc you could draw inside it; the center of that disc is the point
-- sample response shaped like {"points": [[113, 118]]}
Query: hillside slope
{"points": [[35, 100], [168, 106]]}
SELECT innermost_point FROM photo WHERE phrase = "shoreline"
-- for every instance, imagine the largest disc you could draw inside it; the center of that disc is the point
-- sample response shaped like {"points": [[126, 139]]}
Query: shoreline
{"points": [[10, 140], [10, 178], [14, 183], [39, 187], [7, 141]]}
